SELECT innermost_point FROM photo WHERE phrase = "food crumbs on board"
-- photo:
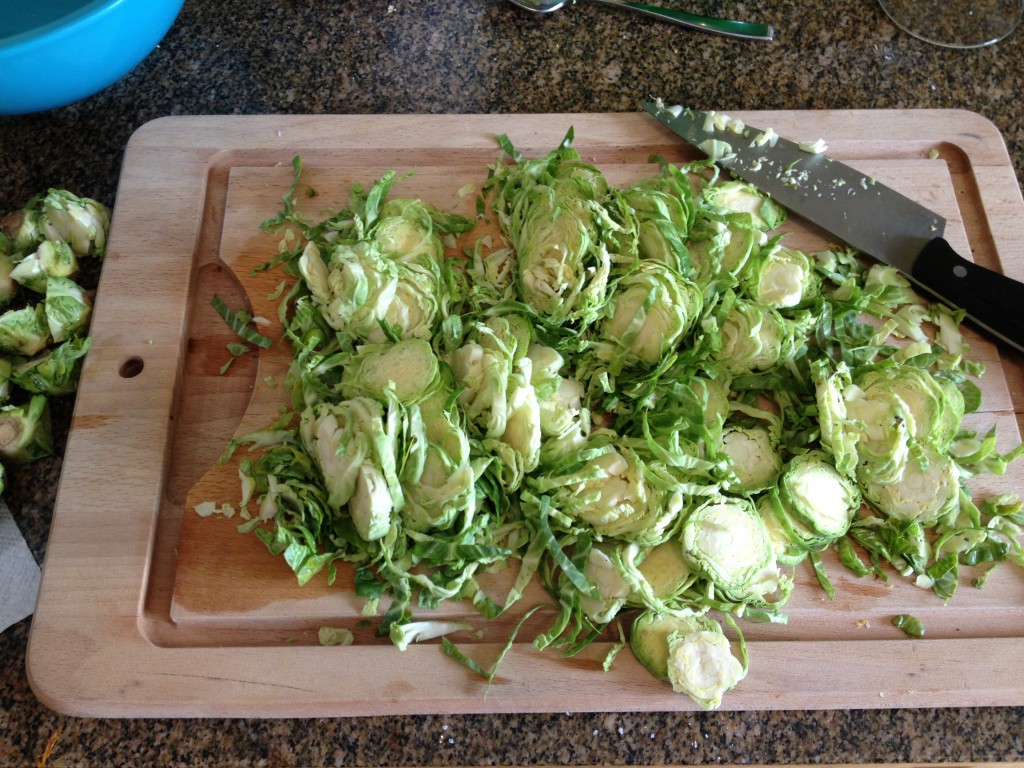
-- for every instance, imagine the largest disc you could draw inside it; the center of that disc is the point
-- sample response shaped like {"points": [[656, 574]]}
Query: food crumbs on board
{"points": [[933, 154], [208, 508], [205, 508], [48, 749], [813, 147]]}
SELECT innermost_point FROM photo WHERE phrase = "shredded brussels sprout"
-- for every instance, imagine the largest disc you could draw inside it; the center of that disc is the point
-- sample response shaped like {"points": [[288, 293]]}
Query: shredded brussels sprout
{"points": [[639, 397]]}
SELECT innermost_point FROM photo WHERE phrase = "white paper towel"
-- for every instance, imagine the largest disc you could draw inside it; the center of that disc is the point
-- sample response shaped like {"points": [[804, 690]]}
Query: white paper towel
{"points": [[19, 573]]}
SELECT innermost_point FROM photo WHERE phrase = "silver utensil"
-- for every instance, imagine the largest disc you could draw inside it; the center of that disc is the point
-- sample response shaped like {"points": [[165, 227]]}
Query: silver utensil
{"points": [[870, 216], [728, 27]]}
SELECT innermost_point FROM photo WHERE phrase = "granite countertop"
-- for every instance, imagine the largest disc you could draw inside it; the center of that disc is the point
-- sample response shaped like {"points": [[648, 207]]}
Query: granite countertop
{"points": [[484, 56]]}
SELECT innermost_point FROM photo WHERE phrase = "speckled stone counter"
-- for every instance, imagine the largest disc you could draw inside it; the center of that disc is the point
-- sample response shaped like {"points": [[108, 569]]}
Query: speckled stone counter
{"points": [[417, 56]]}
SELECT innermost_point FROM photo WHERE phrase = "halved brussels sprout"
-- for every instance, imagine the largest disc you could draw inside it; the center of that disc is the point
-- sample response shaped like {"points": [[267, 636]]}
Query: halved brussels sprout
{"points": [[814, 492], [651, 632], [927, 489], [690, 651], [882, 435], [616, 492], [741, 197], [563, 264], [651, 310], [407, 370], [438, 476], [373, 298], [725, 539], [553, 213], [781, 277], [21, 228], [483, 367], [559, 399], [612, 589], [522, 431], [665, 569], [663, 207], [54, 371], [932, 409], [706, 247], [891, 407], [356, 445], [701, 664], [754, 457], [755, 338], [720, 246], [404, 230]]}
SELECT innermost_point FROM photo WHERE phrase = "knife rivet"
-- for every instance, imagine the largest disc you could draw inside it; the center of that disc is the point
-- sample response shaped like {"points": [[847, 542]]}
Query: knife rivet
{"points": [[960, 271]]}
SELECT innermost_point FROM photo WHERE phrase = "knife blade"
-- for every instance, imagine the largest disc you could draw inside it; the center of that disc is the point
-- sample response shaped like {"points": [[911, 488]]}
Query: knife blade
{"points": [[862, 212]]}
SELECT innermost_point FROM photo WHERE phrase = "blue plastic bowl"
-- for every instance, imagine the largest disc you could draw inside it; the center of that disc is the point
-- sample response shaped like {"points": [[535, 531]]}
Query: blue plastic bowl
{"points": [[56, 52]]}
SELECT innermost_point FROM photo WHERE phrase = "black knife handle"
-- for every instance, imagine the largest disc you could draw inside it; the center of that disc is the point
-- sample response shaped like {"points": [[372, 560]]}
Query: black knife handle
{"points": [[992, 301]]}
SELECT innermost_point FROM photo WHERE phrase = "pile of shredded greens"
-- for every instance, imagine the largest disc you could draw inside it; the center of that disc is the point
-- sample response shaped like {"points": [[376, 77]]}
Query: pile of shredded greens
{"points": [[640, 396]]}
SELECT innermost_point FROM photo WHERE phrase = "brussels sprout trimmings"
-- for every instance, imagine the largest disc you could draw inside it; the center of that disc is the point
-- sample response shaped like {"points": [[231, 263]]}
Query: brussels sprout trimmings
{"points": [[25, 433], [639, 396], [45, 314]]}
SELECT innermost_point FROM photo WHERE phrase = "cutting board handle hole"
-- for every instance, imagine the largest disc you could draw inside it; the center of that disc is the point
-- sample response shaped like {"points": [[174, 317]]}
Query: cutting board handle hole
{"points": [[131, 367]]}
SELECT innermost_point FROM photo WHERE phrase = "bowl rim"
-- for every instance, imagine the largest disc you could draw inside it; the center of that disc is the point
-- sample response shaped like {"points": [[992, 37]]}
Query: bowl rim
{"points": [[67, 24]]}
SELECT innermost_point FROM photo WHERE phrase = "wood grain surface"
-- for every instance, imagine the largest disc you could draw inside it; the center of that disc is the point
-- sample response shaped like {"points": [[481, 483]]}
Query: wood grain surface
{"points": [[148, 609]]}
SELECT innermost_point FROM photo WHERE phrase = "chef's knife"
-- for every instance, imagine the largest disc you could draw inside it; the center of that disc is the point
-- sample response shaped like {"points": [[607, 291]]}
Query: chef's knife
{"points": [[863, 213]]}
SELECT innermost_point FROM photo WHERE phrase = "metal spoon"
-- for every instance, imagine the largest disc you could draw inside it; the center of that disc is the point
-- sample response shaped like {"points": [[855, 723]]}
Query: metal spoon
{"points": [[728, 27]]}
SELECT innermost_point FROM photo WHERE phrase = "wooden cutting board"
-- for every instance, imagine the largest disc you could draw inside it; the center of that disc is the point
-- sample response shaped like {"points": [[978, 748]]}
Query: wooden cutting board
{"points": [[148, 609]]}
